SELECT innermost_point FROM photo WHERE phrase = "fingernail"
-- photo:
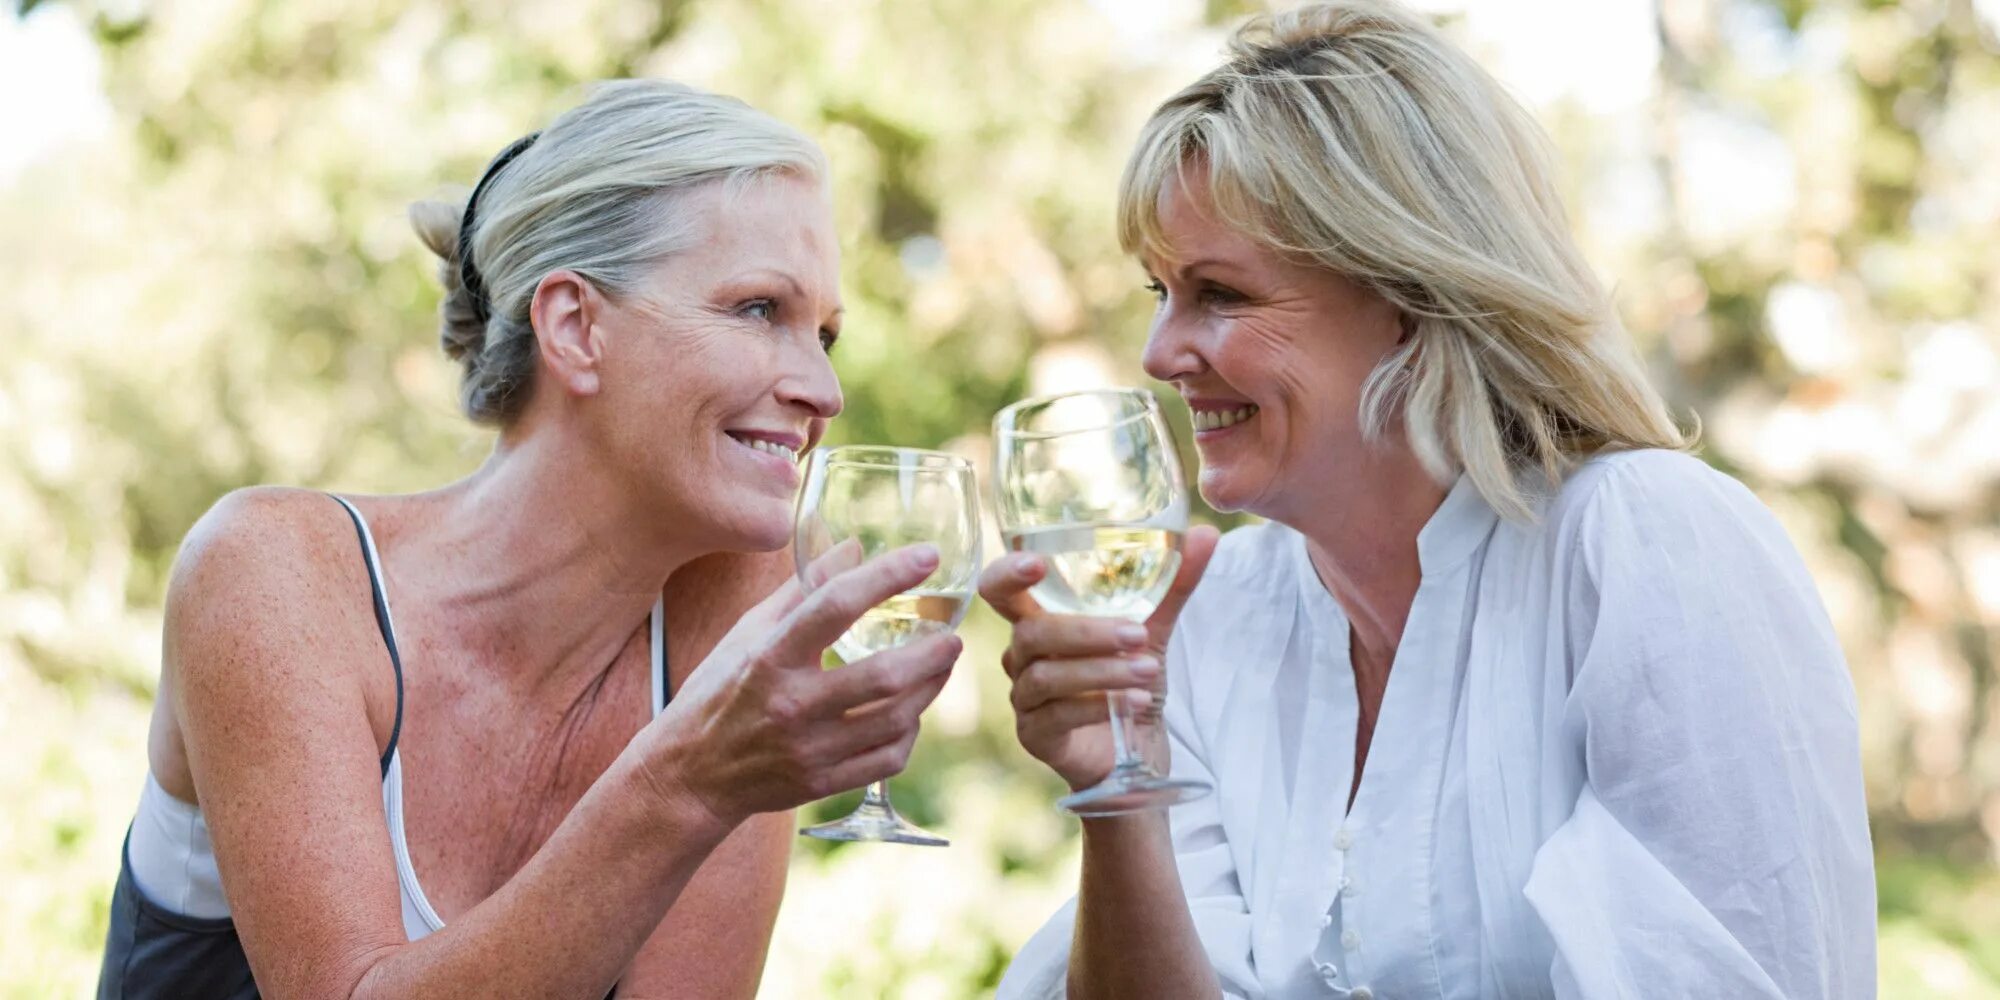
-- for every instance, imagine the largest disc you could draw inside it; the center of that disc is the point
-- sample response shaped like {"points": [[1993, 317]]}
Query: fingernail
{"points": [[1131, 636], [1027, 565], [925, 557], [1139, 698], [1146, 666]]}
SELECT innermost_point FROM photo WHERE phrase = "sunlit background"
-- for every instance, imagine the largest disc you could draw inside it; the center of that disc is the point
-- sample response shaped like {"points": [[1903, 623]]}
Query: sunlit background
{"points": [[208, 282]]}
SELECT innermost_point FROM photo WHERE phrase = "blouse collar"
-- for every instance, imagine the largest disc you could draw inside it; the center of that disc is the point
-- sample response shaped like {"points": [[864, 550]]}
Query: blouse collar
{"points": [[1454, 532], [1460, 524]]}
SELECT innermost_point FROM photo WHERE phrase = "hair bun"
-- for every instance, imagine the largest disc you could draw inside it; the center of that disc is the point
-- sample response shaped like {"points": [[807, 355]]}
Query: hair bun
{"points": [[461, 332]]}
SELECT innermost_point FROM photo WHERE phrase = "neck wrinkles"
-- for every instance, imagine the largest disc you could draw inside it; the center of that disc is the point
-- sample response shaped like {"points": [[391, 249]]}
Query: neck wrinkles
{"points": [[536, 566]]}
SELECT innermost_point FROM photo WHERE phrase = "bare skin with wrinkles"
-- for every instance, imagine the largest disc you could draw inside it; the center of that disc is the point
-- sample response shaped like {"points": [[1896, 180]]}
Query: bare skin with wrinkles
{"points": [[568, 840]]}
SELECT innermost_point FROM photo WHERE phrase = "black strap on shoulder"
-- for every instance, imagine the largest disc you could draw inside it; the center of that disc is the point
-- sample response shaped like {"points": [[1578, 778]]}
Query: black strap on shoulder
{"points": [[382, 622]]}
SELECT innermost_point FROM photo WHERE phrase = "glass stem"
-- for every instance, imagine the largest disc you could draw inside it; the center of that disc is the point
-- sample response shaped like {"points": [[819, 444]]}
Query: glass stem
{"points": [[876, 797], [1123, 756]]}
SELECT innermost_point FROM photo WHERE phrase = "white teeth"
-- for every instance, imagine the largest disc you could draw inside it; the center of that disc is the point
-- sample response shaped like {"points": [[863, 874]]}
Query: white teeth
{"points": [[1209, 420], [770, 447]]}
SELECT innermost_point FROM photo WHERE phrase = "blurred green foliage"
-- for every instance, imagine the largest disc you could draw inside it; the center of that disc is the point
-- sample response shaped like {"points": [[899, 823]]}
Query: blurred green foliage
{"points": [[223, 291]]}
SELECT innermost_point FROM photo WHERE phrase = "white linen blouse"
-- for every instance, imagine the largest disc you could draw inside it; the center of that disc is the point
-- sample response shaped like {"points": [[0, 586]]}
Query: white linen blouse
{"points": [[1617, 757]]}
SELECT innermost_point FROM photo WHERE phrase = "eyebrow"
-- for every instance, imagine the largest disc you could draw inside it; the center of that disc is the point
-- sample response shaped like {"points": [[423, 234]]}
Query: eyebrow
{"points": [[1211, 262], [1197, 264], [770, 274]]}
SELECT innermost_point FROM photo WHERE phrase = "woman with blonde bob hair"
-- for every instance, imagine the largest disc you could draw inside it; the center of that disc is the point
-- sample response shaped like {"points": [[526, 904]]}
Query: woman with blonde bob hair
{"points": [[565, 762], [1512, 698]]}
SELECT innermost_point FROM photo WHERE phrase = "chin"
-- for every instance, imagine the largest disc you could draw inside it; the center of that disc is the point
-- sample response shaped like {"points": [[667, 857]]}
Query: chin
{"points": [[1232, 491], [759, 524], [1218, 492], [766, 534]]}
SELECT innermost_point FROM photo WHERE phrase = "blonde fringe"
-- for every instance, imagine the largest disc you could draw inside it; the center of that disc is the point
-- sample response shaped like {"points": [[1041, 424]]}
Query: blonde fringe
{"points": [[1352, 135]]}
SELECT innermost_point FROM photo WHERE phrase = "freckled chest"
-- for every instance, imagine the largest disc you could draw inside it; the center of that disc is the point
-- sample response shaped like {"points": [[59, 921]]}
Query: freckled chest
{"points": [[488, 773]]}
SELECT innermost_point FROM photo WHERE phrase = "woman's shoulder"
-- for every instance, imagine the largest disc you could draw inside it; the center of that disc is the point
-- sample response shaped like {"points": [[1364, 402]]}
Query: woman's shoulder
{"points": [[262, 559], [257, 531], [1653, 483], [268, 600], [1665, 509]]}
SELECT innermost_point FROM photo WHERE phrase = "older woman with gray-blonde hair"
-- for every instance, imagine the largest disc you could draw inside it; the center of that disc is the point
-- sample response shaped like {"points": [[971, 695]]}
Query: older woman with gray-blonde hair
{"points": [[1609, 738], [566, 762]]}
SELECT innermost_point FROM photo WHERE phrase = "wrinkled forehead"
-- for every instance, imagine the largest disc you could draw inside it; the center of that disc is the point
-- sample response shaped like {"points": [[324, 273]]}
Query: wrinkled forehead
{"points": [[777, 221]]}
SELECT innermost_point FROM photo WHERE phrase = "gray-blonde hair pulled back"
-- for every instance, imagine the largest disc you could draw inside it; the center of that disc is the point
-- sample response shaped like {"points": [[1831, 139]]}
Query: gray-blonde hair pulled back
{"points": [[1352, 135], [594, 193]]}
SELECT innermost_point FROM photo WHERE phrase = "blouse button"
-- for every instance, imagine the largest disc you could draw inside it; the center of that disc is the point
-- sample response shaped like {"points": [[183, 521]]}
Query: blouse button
{"points": [[1343, 839], [1350, 940], [1325, 921], [1363, 993], [1329, 972], [1347, 886]]}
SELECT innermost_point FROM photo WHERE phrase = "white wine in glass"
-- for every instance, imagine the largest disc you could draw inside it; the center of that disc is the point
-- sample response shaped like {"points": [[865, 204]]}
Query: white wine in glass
{"points": [[1107, 571], [904, 618], [883, 499], [1091, 482]]}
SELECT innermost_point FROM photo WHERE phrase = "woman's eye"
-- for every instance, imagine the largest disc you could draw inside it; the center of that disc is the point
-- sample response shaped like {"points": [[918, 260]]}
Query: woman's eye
{"points": [[763, 309], [827, 338], [1220, 295], [1158, 290]]}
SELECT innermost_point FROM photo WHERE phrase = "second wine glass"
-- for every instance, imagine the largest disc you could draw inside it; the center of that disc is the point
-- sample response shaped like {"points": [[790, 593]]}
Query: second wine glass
{"points": [[883, 499], [1091, 482]]}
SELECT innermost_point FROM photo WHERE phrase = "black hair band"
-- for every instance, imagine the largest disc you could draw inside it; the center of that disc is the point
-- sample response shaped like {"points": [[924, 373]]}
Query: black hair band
{"points": [[468, 275]]}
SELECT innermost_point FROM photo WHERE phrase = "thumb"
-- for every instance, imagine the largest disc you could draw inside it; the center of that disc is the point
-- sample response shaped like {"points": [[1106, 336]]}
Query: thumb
{"points": [[1196, 548]]}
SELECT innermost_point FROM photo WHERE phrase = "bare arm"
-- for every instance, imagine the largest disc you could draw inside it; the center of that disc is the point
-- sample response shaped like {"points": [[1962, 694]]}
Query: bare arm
{"points": [[269, 644], [713, 941], [1130, 900], [1129, 903]]}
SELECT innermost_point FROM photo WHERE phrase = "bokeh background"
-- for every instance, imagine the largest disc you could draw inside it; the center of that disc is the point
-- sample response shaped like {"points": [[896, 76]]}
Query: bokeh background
{"points": [[206, 281]]}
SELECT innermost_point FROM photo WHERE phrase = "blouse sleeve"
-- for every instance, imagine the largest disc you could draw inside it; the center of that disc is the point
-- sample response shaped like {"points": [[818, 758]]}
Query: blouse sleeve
{"points": [[1720, 844], [1040, 970]]}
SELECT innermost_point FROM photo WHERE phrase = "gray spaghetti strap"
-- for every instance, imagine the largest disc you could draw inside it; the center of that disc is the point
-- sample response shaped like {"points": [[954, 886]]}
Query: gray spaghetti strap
{"points": [[382, 622]]}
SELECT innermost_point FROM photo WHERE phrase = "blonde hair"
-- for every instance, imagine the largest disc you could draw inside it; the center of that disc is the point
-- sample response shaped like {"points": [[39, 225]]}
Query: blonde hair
{"points": [[1353, 136], [595, 193]]}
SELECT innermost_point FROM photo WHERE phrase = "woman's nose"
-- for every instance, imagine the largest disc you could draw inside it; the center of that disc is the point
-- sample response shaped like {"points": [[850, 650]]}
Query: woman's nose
{"points": [[1170, 351], [814, 386]]}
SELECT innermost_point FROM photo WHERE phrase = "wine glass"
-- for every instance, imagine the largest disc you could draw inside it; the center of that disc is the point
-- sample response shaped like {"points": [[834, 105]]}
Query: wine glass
{"points": [[1091, 482], [883, 499]]}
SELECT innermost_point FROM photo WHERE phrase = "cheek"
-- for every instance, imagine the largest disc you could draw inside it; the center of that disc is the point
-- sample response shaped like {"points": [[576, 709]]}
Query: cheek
{"points": [[1314, 384]]}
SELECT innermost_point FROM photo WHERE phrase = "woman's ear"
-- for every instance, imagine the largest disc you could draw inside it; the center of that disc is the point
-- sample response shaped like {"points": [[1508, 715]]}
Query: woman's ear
{"points": [[564, 311], [1409, 325]]}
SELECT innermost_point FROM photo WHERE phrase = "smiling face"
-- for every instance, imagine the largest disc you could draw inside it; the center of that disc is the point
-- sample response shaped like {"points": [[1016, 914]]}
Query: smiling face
{"points": [[715, 376], [1271, 356]]}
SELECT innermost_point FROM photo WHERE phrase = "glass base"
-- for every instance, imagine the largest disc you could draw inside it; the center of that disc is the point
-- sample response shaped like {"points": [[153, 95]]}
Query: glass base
{"points": [[872, 822], [1131, 788]]}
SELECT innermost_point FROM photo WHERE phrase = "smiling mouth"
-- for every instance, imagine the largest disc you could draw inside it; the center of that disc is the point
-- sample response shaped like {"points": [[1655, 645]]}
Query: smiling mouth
{"points": [[1215, 420], [767, 447]]}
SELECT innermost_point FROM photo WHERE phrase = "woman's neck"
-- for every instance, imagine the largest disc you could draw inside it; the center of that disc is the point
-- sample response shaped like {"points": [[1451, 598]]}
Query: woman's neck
{"points": [[1361, 532], [540, 564]]}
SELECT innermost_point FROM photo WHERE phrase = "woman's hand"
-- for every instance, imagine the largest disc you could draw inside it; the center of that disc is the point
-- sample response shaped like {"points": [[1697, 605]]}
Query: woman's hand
{"points": [[1063, 666], [760, 727]]}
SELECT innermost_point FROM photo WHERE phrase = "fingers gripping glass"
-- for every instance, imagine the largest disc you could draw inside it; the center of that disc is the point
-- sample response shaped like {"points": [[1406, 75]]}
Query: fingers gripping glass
{"points": [[1091, 482], [883, 499]]}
